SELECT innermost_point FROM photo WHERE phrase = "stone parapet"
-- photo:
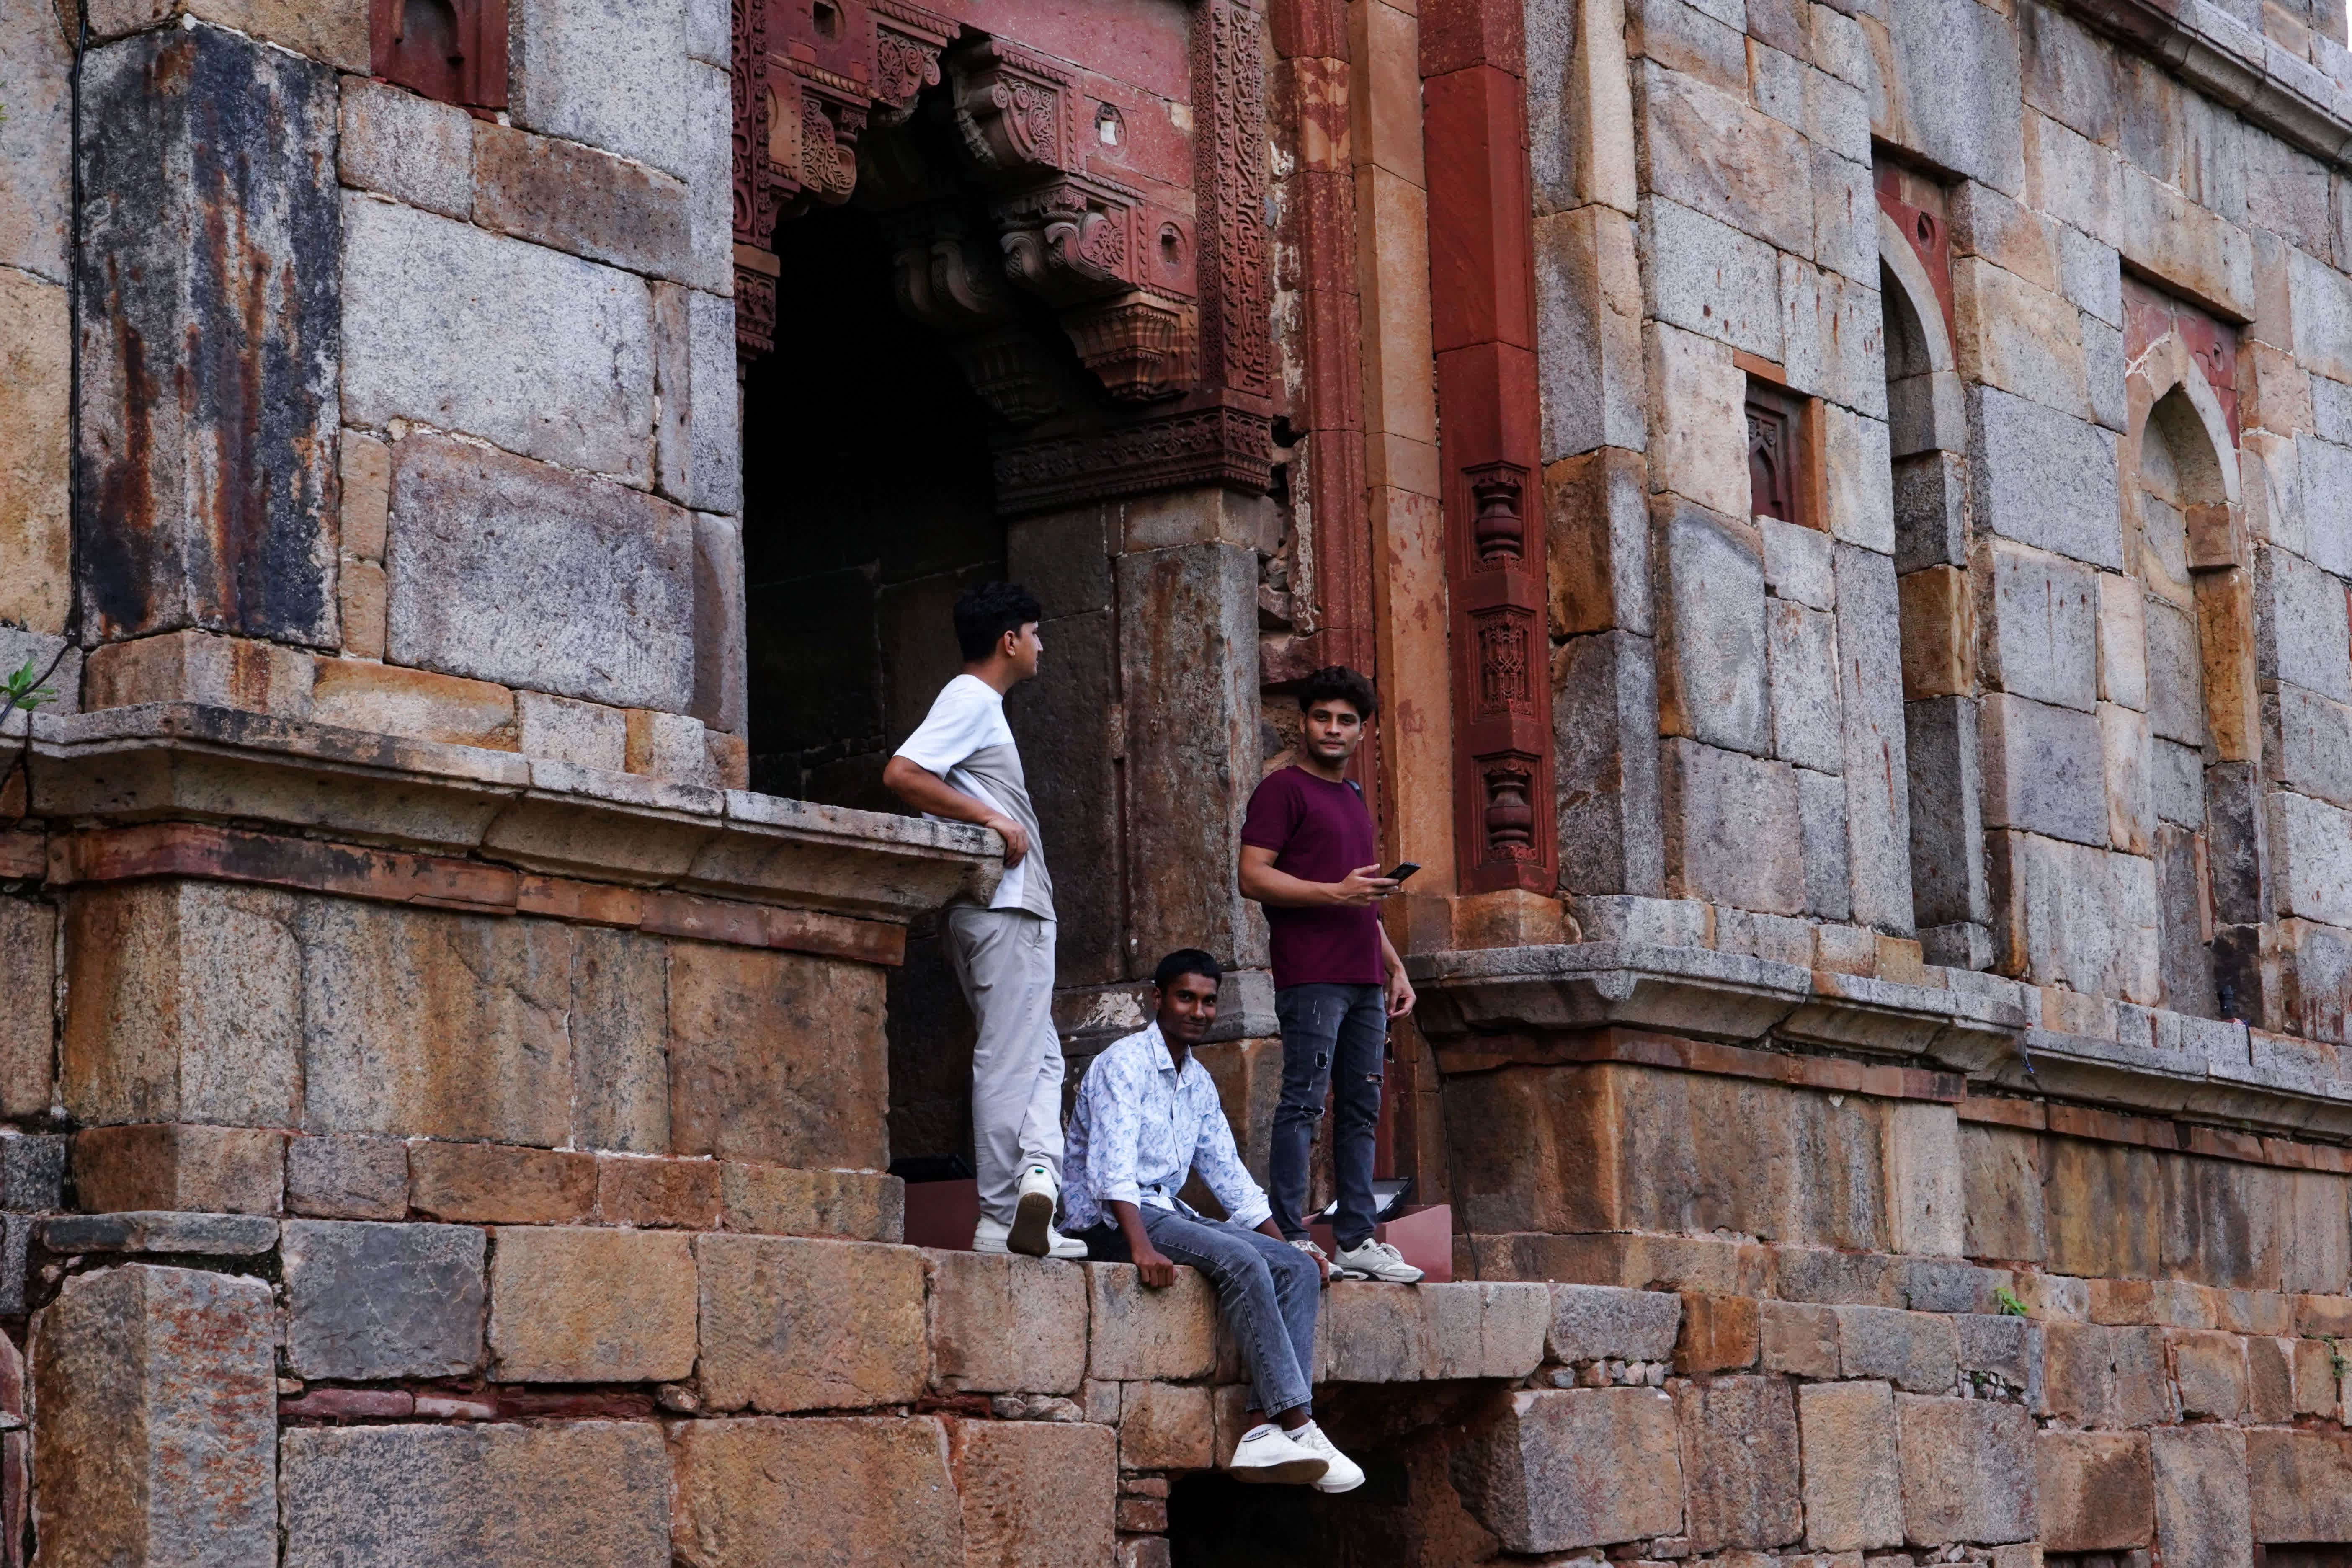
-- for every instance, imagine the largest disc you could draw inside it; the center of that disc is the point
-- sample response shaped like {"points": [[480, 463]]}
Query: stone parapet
{"points": [[1486, 1007], [192, 762]]}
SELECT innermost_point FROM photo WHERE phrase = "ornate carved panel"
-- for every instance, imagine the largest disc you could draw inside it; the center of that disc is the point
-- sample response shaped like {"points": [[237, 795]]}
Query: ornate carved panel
{"points": [[1086, 222]]}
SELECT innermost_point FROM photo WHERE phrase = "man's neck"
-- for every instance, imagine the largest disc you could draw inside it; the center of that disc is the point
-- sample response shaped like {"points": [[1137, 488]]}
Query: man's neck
{"points": [[1329, 773], [994, 672]]}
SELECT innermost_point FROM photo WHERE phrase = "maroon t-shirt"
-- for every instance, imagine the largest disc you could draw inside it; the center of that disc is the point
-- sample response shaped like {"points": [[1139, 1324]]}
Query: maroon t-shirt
{"points": [[1319, 832]]}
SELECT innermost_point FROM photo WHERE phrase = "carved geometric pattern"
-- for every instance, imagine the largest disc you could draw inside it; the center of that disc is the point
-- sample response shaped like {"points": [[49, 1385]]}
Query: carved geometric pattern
{"points": [[1214, 446], [1236, 329], [1503, 638]]}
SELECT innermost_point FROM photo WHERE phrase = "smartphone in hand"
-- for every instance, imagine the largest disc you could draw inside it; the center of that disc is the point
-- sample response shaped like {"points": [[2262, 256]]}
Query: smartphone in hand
{"points": [[1403, 869]]}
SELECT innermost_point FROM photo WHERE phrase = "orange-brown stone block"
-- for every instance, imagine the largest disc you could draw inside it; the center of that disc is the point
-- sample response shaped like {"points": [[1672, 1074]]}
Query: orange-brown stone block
{"points": [[776, 1056], [575, 1304], [1036, 1494], [790, 1325], [755, 1492], [494, 1185]]}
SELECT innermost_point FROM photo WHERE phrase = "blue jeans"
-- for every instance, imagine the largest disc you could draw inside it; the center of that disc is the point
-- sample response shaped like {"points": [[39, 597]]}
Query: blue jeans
{"points": [[1268, 1289], [1326, 1025]]}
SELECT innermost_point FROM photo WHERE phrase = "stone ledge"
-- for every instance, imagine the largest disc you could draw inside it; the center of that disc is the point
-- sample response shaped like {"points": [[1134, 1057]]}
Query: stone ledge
{"points": [[2221, 57], [1479, 1005], [165, 761]]}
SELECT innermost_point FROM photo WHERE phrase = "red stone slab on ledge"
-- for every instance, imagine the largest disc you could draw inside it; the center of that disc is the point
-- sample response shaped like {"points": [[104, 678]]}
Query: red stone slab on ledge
{"points": [[942, 1213]]}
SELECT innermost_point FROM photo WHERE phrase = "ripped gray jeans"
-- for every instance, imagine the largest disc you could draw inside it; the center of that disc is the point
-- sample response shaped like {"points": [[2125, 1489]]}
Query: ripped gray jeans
{"points": [[1330, 1033]]}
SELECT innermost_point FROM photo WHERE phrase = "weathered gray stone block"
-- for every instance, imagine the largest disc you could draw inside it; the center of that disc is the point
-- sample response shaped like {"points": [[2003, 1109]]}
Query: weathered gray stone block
{"points": [[2311, 842], [2008, 1347], [2176, 784], [1914, 1351], [1739, 1440], [352, 1177], [1807, 723], [1733, 831], [156, 1231], [210, 405], [612, 79], [2302, 635], [1714, 675], [1597, 1322], [591, 1493], [2176, 673], [1724, 159], [34, 62], [1707, 278], [1821, 815], [2103, 371], [365, 1301], [2088, 273], [620, 1060], [1931, 491], [2320, 301], [699, 449], [1569, 1468], [158, 1435], [1797, 563], [2044, 771], [1947, 870], [1878, 786], [2069, 912], [406, 147], [31, 1169], [1853, 1487], [540, 352], [2042, 477], [1954, 93], [1188, 659], [2307, 744], [2045, 626], [1588, 333], [1605, 762], [2316, 484], [2204, 1514], [514, 572], [1967, 1470]]}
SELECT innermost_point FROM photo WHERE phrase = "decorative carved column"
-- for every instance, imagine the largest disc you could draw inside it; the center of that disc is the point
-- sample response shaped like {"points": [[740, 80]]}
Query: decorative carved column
{"points": [[1483, 328]]}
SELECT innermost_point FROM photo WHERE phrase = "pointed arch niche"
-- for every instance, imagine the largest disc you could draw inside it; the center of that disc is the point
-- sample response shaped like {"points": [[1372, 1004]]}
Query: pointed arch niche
{"points": [[1927, 429], [2179, 709]]}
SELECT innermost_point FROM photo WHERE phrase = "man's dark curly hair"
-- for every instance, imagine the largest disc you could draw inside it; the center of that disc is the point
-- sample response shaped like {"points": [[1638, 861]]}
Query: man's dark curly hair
{"points": [[1182, 962], [986, 613], [1337, 681]]}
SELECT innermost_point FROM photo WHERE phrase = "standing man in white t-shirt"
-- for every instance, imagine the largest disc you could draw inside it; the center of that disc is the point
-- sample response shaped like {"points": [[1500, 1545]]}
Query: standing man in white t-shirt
{"points": [[961, 765]]}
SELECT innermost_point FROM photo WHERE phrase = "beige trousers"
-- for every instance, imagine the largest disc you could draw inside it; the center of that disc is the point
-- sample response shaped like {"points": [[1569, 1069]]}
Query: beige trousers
{"points": [[1004, 959]]}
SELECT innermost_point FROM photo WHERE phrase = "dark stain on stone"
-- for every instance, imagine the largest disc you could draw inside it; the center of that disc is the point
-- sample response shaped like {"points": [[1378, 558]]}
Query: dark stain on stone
{"points": [[215, 228]]}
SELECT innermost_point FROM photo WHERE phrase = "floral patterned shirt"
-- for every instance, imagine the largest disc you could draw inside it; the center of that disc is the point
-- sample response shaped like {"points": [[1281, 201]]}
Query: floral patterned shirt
{"points": [[1141, 1127]]}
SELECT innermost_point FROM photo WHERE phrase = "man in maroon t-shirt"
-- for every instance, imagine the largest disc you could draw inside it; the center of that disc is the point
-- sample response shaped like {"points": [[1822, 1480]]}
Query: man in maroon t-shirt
{"points": [[1310, 855]]}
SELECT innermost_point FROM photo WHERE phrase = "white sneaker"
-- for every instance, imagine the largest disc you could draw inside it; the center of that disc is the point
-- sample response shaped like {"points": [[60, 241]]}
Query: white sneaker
{"points": [[1376, 1260], [1268, 1453], [989, 1236], [1033, 1212], [1344, 1475]]}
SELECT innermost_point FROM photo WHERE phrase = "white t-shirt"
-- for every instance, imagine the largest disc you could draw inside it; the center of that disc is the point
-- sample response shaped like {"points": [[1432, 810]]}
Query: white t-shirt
{"points": [[967, 716]]}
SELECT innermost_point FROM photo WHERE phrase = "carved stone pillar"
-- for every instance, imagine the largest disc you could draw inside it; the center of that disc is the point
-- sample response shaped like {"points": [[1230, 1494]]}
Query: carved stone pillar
{"points": [[1483, 326]]}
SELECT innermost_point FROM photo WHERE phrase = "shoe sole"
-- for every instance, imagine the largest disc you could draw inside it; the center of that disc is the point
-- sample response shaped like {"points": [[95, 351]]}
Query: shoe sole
{"points": [[1032, 1222], [1347, 1486], [1290, 1472]]}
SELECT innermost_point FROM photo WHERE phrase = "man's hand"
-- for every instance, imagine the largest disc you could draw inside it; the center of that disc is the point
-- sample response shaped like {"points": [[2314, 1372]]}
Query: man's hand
{"points": [[1363, 887], [1016, 837], [1322, 1264], [1153, 1265], [1399, 992]]}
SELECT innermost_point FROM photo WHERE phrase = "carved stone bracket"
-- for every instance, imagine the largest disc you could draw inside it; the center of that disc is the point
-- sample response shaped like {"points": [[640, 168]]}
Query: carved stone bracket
{"points": [[1007, 221]]}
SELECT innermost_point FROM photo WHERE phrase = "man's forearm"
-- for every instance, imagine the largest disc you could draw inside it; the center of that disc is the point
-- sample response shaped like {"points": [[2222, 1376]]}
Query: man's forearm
{"points": [[1264, 885], [925, 791], [1130, 1226]]}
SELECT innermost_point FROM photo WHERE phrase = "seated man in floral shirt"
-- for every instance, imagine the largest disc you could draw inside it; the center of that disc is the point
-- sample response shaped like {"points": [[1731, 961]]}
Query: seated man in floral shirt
{"points": [[1147, 1116]]}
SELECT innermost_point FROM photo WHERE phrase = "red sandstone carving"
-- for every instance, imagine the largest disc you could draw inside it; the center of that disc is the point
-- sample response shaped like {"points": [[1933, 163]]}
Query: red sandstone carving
{"points": [[1127, 195]]}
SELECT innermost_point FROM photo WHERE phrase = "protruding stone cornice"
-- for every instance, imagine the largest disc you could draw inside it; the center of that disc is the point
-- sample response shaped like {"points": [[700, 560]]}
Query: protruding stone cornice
{"points": [[186, 762]]}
